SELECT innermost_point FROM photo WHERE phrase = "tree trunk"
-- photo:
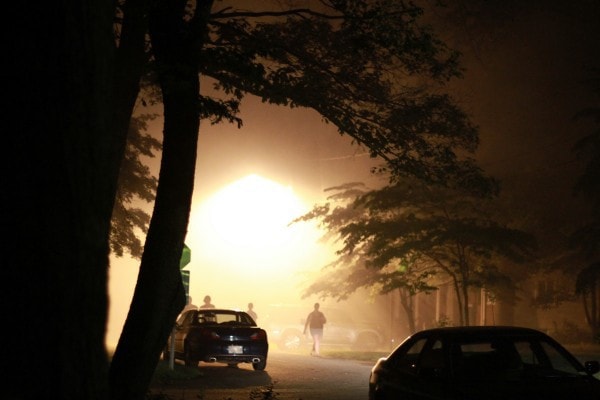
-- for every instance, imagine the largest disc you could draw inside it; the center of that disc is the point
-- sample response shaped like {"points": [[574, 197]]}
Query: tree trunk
{"points": [[131, 59], [407, 304], [459, 299], [465, 311], [57, 199], [159, 293], [595, 322]]}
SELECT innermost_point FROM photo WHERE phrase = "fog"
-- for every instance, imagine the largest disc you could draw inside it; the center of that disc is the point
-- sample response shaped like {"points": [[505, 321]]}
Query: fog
{"points": [[525, 70], [250, 185]]}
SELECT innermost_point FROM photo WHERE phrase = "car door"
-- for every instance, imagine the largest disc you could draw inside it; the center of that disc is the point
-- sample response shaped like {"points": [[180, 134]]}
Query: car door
{"points": [[420, 372], [182, 328], [432, 373]]}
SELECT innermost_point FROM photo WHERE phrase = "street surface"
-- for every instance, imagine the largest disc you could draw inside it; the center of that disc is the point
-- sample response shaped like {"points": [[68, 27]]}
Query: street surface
{"points": [[293, 376]]}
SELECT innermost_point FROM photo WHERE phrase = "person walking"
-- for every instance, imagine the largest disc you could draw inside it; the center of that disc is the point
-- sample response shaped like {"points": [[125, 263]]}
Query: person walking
{"points": [[315, 321], [251, 312]]}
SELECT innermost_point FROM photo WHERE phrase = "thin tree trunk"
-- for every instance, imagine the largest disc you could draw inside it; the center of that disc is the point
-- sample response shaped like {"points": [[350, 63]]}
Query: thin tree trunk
{"points": [[159, 293], [459, 299], [465, 293], [594, 308], [408, 306], [131, 58], [586, 310]]}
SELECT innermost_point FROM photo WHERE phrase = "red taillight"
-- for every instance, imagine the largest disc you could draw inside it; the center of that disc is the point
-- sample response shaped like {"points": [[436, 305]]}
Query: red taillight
{"points": [[260, 335], [209, 334]]}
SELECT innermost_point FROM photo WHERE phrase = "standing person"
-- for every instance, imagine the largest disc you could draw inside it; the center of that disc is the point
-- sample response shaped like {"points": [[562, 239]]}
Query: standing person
{"points": [[207, 303], [251, 312], [189, 305], [315, 321]]}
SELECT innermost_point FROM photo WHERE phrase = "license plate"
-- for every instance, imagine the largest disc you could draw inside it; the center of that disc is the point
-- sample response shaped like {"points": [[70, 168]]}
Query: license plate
{"points": [[235, 349]]}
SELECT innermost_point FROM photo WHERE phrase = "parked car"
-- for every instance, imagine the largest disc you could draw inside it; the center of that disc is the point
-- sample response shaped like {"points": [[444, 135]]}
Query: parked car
{"points": [[219, 335], [476, 363], [285, 325]]}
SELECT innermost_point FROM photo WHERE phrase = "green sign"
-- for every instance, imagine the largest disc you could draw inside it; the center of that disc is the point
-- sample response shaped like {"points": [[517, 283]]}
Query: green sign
{"points": [[186, 256], [185, 277]]}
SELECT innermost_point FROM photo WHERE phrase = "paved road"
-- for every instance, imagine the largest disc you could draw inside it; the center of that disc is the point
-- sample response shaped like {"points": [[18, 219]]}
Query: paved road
{"points": [[292, 376]]}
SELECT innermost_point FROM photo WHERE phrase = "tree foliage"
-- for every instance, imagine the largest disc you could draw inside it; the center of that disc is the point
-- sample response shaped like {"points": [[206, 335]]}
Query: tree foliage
{"points": [[369, 67], [136, 183], [587, 238], [406, 234]]}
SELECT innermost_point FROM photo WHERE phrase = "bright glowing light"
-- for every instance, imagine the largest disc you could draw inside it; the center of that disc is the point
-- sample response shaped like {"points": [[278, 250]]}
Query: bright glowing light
{"points": [[254, 213], [244, 248]]}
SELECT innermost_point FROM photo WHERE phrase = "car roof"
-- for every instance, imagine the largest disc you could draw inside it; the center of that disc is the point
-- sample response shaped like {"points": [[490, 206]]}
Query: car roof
{"points": [[219, 310], [480, 331]]}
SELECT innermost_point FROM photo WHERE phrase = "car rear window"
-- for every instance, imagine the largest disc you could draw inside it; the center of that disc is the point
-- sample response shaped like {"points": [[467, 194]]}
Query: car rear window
{"points": [[212, 318]]}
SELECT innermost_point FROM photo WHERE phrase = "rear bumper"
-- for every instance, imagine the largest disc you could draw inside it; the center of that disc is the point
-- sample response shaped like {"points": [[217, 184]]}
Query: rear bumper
{"points": [[221, 352], [228, 358]]}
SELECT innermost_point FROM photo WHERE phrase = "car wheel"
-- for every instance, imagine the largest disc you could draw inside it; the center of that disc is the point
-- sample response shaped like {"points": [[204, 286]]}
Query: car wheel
{"points": [[291, 340], [261, 365], [187, 358]]}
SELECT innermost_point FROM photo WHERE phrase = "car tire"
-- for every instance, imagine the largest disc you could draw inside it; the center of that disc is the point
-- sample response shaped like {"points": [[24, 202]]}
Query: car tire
{"points": [[290, 340], [187, 358], [261, 365]]}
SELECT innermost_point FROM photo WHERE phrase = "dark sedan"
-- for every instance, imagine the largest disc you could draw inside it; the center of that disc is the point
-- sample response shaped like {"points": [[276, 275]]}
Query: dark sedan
{"points": [[482, 363], [220, 335]]}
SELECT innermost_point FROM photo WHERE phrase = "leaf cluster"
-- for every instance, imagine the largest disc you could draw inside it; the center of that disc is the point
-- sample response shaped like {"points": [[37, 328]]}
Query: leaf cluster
{"points": [[372, 68], [136, 183], [405, 234], [369, 67]]}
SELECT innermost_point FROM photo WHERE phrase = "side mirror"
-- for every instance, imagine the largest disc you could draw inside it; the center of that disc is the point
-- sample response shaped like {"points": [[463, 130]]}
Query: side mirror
{"points": [[592, 367]]}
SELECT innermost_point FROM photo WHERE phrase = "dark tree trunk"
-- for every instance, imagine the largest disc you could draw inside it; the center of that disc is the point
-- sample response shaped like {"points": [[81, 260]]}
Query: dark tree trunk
{"points": [[406, 300], [131, 59], [465, 311], [159, 293], [459, 298], [57, 197]]}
